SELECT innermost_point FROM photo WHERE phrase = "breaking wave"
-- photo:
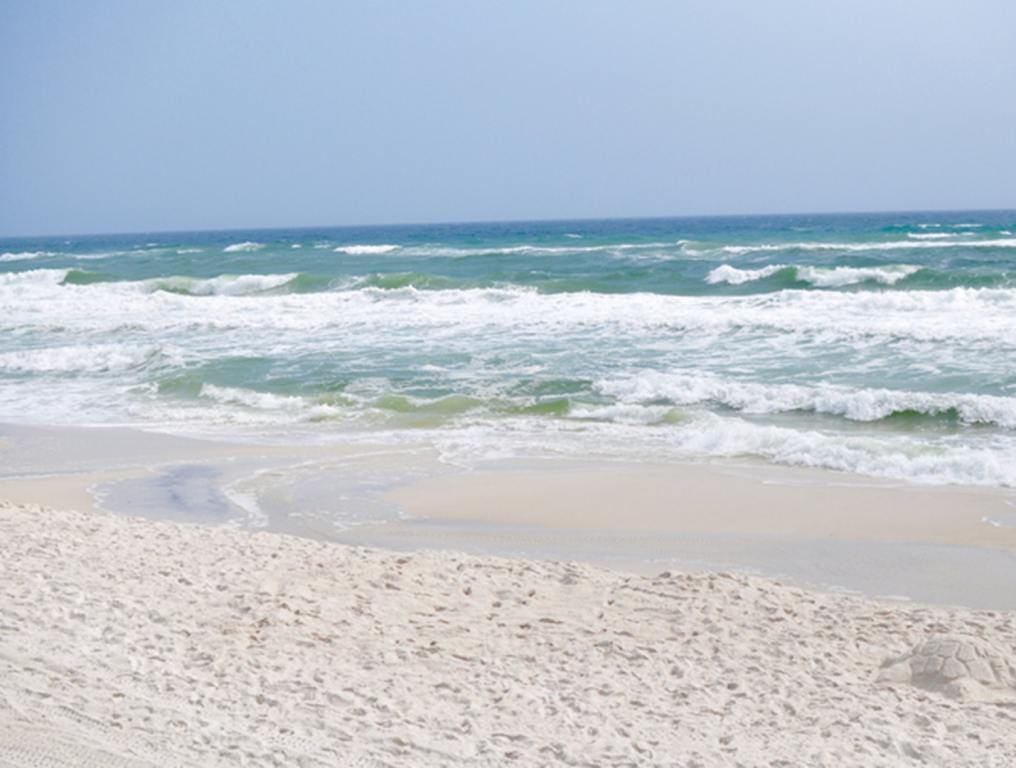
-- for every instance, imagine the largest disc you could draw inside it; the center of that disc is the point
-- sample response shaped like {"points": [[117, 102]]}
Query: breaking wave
{"points": [[851, 403], [887, 245], [266, 302], [821, 277], [96, 358], [734, 276], [366, 250], [223, 285], [247, 245], [26, 255]]}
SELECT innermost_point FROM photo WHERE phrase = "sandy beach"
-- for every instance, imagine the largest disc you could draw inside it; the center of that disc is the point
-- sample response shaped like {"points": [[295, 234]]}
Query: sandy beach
{"points": [[128, 642]]}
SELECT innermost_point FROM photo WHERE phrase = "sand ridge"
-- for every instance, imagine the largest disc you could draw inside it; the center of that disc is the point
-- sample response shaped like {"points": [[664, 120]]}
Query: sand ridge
{"points": [[126, 642]]}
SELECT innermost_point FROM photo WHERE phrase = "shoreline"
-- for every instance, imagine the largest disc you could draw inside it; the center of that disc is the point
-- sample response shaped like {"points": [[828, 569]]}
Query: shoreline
{"points": [[819, 529]]}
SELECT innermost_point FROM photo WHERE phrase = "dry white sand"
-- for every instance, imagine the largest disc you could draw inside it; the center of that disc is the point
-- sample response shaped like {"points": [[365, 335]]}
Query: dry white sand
{"points": [[126, 642]]}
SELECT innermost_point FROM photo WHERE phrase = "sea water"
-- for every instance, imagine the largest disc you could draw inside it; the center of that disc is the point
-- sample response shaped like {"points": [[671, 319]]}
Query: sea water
{"points": [[881, 344]]}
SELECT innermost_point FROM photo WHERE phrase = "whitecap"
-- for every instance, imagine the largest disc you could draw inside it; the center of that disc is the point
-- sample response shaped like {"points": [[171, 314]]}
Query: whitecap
{"points": [[33, 277], [244, 246], [621, 413], [95, 358], [886, 245], [366, 250], [535, 250], [267, 401], [706, 435], [855, 404], [967, 314], [835, 277], [252, 398], [890, 457], [26, 255], [222, 285], [822, 277], [734, 276]]}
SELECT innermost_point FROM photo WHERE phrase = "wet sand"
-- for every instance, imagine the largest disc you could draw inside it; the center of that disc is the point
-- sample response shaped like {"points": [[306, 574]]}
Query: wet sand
{"points": [[936, 544]]}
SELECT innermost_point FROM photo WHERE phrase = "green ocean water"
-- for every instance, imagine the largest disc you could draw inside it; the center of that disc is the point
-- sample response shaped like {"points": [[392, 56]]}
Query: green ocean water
{"points": [[881, 344]]}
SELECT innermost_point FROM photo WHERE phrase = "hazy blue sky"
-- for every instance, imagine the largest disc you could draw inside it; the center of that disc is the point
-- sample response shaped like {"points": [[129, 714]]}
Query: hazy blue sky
{"points": [[130, 115]]}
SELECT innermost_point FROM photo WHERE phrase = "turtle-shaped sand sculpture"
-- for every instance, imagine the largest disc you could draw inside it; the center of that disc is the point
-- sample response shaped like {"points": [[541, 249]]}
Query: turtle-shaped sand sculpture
{"points": [[959, 666]]}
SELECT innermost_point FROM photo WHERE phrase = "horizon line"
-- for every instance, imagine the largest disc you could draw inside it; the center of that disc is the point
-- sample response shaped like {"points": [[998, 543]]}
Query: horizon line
{"points": [[476, 222]]}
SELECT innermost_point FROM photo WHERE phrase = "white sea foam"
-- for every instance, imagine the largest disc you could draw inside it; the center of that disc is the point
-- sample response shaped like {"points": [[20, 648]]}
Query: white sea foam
{"points": [[223, 285], [734, 276], [856, 404], [244, 246], [95, 358], [965, 314], [508, 334], [267, 401], [629, 249], [25, 255], [32, 277], [366, 250], [823, 277], [189, 250], [621, 413], [891, 457], [833, 277], [885, 245], [99, 255], [895, 456], [253, 399]]}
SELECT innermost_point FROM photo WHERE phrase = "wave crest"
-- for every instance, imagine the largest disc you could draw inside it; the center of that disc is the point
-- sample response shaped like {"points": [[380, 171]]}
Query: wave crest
{"points": [[885, 245], [26, 255], [223, 285], [850, 403], [821, 277], [734, 276], [366, 250], [247, 245], [835, 277], [97, 358]]}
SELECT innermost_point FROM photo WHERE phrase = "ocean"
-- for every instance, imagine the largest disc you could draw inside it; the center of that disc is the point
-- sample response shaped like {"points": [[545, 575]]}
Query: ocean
{"points": [[880, 344]]}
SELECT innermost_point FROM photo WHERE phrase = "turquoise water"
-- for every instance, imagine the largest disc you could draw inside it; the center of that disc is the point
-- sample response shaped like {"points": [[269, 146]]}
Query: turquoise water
{"points": [[880, 344]]}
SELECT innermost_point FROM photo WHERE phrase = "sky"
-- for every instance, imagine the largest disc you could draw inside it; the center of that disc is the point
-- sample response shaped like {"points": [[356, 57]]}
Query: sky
{"points": [[172, 115]]}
